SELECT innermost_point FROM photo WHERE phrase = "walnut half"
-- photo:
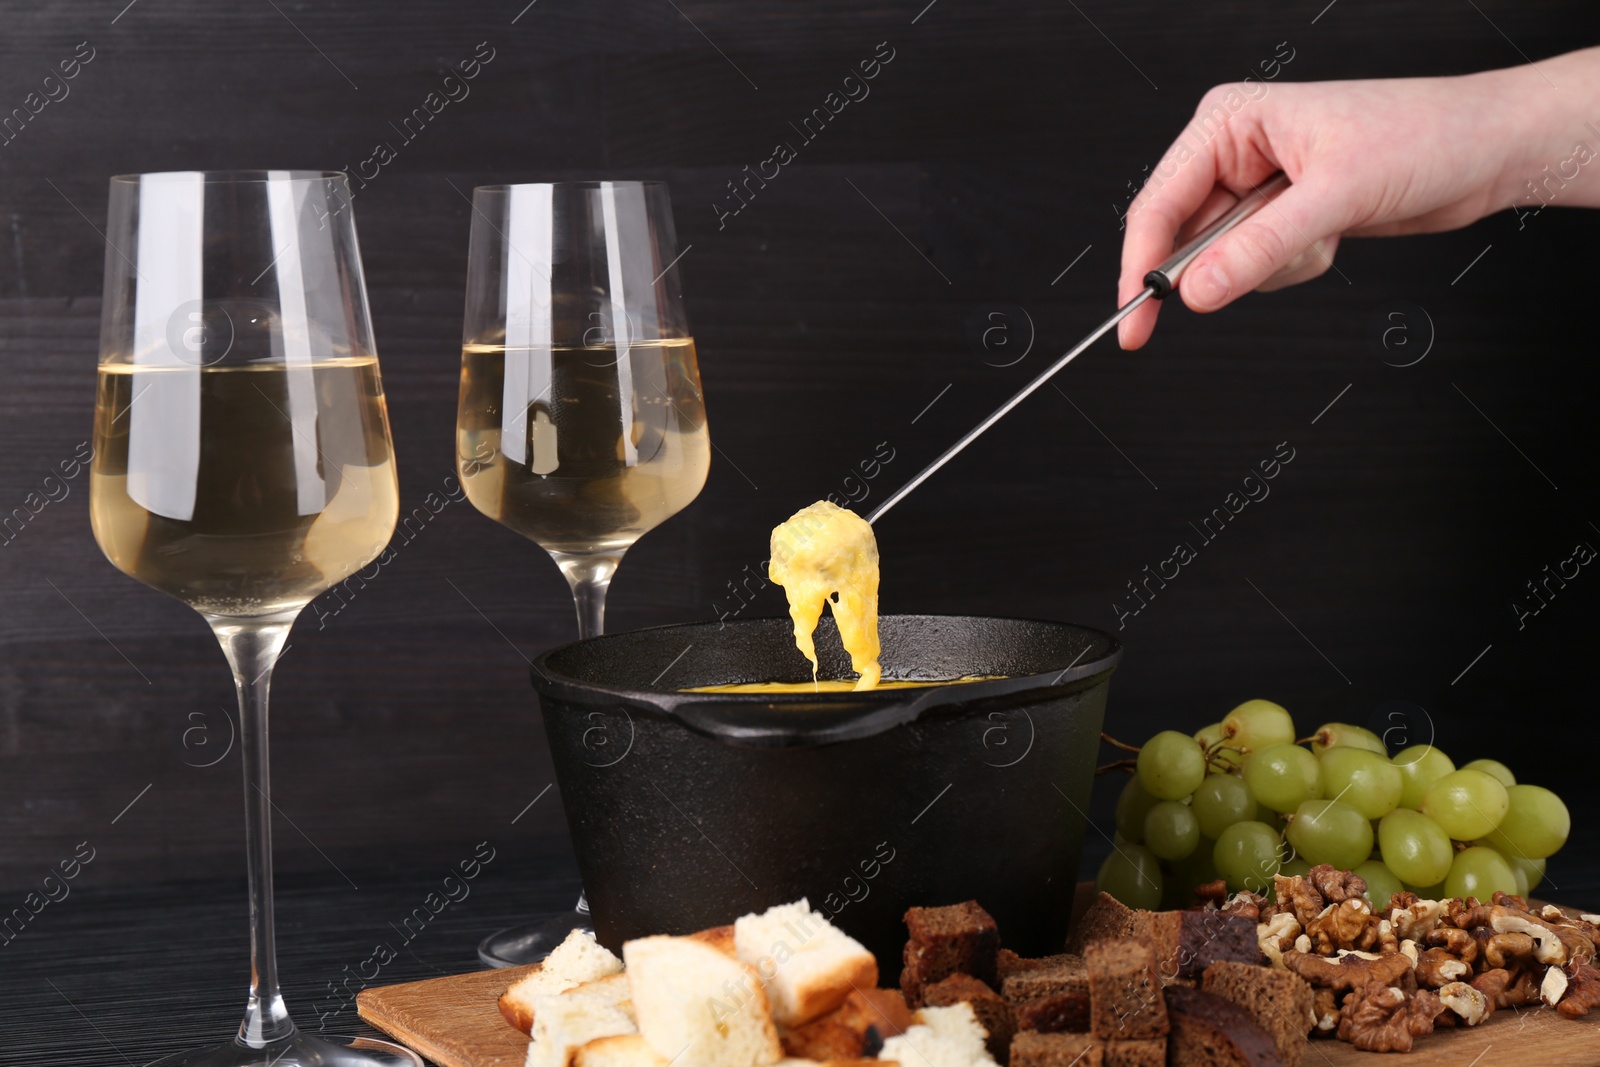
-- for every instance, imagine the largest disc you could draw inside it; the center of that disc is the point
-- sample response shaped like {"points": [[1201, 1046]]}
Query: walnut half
{"points": [[1336, 885], [1348, 970], [1347, 924], [1437, 968], [1583, 992], [1468, 1003], [1384, 1019]]}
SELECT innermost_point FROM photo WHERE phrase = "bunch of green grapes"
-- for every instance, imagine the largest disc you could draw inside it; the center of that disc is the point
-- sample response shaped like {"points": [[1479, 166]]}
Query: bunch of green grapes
{"points": [[1244, 800]]}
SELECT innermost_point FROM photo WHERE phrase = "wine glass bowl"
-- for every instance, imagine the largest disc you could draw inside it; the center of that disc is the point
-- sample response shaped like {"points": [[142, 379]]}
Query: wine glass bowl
{"points": [[581, 424], [242, 453], [243, 464]]}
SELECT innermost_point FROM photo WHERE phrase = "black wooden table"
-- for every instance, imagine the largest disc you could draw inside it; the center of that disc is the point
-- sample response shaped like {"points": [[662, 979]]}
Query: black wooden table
{"points": [[123, 976]]}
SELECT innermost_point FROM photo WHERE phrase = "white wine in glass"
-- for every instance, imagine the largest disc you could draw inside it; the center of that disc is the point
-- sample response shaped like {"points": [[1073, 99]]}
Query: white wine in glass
{"points": [[581, 424], [243, 464]]}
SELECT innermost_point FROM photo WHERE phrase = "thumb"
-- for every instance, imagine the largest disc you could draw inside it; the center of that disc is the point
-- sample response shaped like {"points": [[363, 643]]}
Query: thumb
{"points": [[1295, 226]]}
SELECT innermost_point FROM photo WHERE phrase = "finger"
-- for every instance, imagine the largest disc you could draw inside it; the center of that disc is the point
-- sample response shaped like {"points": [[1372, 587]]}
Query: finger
{"points": [[1312, 263], [1183, 184], [1180, 185], [1264, 244], [1218, 204], [1143, 318]]}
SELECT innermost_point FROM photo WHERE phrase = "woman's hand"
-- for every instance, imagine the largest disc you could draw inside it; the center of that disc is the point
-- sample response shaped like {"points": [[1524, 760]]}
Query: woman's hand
{"points": [[1367, 158]]}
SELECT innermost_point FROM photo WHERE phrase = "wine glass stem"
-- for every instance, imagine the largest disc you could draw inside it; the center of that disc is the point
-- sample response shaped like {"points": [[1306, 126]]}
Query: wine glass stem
{"points": [[589, 577], [252, 647]]}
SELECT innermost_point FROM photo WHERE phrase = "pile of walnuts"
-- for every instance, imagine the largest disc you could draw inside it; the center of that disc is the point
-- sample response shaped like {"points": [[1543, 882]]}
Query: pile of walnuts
{"points": [[1383, 978]]}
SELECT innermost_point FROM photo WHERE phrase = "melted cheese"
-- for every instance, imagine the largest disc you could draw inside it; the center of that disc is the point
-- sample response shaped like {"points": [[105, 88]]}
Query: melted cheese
{"points": [[831, 685], [825, 554]]}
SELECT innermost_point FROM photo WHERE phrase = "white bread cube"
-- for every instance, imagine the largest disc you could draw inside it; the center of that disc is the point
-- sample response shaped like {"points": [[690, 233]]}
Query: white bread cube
{"points": [[625, 1050], [614, 987], [697, 1006], [942, 1037], [565, 1022], [578, 959], [807, 964]]}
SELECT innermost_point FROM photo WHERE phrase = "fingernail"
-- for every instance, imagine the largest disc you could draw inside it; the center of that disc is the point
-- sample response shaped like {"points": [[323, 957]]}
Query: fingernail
{"points": [[1206, 286]]}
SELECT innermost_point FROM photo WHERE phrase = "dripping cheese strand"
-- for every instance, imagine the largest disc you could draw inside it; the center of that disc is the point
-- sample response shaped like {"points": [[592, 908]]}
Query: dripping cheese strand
{"points": [[825, 554]]}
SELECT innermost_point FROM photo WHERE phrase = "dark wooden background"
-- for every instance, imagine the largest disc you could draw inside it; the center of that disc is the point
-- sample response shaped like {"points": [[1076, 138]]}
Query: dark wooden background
{"points": [[992, 153]]}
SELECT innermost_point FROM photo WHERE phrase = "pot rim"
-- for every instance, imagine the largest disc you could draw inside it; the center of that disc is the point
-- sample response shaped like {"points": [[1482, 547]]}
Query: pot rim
{"points": [[864, 713]]}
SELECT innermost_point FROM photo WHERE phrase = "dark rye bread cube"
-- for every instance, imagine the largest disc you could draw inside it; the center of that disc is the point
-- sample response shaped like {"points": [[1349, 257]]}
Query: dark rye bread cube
{"points": [[1208, 1031], [1053, 1013], [1008, 963], [1124, 989], [958, 939], [1136, 1052], [1066, 973], [1056, 1050], [1208, 937], [993, 1011], [1049, 995], [1164, 930], [1106, 917], [1279, 1002]]}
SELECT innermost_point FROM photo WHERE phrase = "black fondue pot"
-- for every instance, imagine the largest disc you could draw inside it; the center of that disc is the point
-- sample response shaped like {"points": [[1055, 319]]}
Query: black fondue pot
{"points": [[690, 809]]}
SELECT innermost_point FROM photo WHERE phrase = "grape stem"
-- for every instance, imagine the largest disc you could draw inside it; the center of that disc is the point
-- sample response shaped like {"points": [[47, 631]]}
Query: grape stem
{"points": [[1214, 752], [1114, 743], [1120, 765]]}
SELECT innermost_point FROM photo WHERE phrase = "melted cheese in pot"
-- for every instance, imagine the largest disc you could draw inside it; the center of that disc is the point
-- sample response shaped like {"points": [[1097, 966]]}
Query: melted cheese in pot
{"points": [[825, 554], [831, 685]]}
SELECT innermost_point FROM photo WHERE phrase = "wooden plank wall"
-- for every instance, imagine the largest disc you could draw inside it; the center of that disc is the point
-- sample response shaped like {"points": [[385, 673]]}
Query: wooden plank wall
{"points": [[998, 142]]}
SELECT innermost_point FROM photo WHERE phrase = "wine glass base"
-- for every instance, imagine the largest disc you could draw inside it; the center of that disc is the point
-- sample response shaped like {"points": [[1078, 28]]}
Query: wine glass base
{"points": [[531, 942], [298, 1050]]}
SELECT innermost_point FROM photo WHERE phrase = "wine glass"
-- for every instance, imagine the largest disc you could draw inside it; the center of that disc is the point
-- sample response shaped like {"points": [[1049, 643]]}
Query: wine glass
{"points": [[243, 464], [581, 424]]}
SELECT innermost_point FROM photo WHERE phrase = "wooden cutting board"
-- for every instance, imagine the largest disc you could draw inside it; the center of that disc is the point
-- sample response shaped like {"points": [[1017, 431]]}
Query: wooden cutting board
{"points": [[456, 1022]]}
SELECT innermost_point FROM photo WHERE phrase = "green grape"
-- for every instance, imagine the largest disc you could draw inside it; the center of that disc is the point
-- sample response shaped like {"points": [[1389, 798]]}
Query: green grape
{"points": [[1195, 869], [1428, 892], [1414, 847], [1381, 883], [1199, 866], [1226, 757], [1171, 830], [1257, 724], [1420, 766], [1530, 871], [1535, 825], [1343, 735], [1364, 780], [1495, 769], [1132, 874], [1479, 872], [1171, 765], [1133, 804], [1283, 776], [1221, 801], [1247, 855], [1466, 804], [1330, 831], [1521, 878]]}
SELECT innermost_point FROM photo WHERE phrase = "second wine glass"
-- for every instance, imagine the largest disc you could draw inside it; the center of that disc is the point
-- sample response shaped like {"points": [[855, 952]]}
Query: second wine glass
{"points": [[581, 423]]}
